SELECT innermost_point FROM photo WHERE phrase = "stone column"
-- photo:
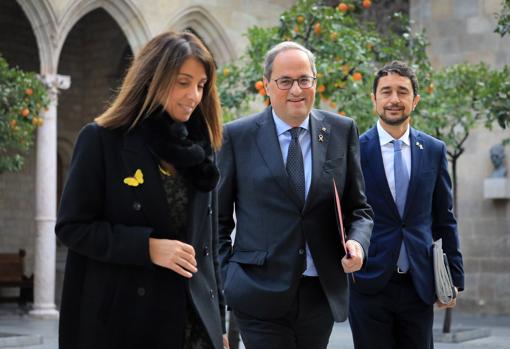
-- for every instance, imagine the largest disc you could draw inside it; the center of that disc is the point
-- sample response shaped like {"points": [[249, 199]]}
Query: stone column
{"points": [[46, 203]]}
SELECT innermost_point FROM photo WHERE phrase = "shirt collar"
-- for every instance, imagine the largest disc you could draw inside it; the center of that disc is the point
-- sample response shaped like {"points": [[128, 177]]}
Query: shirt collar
{"points": [[282, 126], [385, 137]]}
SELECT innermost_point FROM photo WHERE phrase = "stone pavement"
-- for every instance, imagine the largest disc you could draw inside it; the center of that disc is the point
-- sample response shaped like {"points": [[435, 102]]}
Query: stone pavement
{"points": [[42, 334]]}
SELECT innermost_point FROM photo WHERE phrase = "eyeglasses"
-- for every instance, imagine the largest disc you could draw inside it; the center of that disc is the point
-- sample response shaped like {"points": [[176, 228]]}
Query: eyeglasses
{"points": [[304, 82]]}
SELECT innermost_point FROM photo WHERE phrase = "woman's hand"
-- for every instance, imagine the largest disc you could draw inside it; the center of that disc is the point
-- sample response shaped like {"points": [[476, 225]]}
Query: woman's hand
{"points": [[226, 345], [174, 255]]}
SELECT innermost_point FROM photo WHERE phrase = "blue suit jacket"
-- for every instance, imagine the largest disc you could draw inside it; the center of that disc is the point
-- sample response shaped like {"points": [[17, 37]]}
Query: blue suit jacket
{"points": [[263, 268], [427, 216]]}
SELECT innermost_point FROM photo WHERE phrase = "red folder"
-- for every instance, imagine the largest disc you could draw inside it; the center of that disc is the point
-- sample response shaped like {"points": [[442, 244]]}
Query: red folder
{"points": [[340, 222]]}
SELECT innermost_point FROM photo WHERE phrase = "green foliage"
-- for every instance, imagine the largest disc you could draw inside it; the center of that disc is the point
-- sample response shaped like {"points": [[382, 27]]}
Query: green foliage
{"points": [[503, 26], [348, 53], [454, 105], [460, 98], [499, 106], [22, 96]]}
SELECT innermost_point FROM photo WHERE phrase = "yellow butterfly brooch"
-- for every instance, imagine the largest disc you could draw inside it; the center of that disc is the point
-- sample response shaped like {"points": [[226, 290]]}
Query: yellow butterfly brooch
{"points": [[136, 180]]}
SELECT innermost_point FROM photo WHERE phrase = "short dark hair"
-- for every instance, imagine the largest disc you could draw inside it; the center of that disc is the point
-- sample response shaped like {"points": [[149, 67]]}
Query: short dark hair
{"points": [[400, 68]]}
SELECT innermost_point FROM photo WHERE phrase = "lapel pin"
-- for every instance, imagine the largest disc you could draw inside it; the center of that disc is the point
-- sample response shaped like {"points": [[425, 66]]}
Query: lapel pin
{"points": [[321, 134], [418, 144]]}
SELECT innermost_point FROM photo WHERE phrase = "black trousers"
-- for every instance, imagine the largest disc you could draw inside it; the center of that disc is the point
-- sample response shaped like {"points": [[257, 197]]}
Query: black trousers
{"points": [[307, 325], [395, 318]]}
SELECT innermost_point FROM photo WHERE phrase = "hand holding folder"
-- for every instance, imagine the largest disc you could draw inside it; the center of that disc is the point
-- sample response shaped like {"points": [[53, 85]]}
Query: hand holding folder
{"points": [[340, 223]]}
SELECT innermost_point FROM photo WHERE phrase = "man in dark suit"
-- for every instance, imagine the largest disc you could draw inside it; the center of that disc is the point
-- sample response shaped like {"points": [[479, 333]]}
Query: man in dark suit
{"points": [[285, 275], [409, 189]]}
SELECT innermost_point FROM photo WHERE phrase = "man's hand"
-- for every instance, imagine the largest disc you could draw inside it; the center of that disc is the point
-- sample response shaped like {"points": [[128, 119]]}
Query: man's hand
{"points": [[452, 304], [353, 260], [174, 255]]}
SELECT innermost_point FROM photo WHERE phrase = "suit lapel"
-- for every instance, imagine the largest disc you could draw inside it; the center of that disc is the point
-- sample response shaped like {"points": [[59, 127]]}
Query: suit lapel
{"points": [[416, 160], [151, 193], [269, 148], [375, 164], [319, 133]]}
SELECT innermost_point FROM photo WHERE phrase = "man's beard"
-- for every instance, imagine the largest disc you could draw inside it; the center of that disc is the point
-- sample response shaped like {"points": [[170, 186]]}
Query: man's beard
{"points": [[394, 122]]}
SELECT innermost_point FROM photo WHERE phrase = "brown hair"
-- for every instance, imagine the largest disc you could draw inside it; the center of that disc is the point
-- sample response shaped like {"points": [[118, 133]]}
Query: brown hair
{"points": [[400, 68], [152, 75]]}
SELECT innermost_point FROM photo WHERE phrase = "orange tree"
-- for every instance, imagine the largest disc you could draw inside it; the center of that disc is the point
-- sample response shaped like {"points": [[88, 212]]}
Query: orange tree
{"points": [[22, 97], [348, 52]]}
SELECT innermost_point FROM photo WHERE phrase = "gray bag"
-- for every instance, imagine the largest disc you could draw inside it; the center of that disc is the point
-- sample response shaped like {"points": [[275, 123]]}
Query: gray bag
{"points": [[445, 290]]}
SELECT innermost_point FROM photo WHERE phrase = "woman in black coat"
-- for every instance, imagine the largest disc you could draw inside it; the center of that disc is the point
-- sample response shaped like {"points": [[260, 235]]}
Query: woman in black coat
{"points": [[138, 212]]}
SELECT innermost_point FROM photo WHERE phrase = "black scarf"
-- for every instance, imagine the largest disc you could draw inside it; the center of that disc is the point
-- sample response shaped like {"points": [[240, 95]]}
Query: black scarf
{"points": [[184, 145]]}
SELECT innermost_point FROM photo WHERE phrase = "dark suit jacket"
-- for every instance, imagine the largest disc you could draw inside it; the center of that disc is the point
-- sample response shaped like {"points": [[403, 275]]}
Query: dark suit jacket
{"points": [[428, 215], [263, 268], [114, 297]]}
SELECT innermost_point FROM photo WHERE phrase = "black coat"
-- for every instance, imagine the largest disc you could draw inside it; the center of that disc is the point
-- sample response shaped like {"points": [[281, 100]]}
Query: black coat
{"points": [[114, 296]]}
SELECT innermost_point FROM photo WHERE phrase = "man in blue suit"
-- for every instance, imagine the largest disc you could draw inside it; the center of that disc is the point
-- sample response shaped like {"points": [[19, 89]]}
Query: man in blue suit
{"points": [[285, 277], [409, 189]]}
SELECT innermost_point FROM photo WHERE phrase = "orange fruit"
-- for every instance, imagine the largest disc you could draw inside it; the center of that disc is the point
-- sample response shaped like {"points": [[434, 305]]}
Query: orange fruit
{"points": [[29, 92], [366, 3], [341, 113], [332, 105], [259, 85], [357, 76], [300, 19], [430, 88], [37, 121], [262, 92], [317, 28], [343, 7], [13, 123], [25, 112], [296, 29], [321, 88]]}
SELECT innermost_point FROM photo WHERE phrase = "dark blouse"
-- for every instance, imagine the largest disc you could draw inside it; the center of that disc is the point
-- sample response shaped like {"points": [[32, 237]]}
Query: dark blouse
{"points": [[177, 197], [177, 191]]}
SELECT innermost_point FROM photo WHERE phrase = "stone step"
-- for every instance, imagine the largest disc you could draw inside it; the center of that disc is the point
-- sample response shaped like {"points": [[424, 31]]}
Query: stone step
{"points": [[12, 340]]}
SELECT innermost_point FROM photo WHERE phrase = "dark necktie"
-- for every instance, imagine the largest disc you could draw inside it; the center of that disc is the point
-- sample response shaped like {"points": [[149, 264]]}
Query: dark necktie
{"points": [[295, 167], [401, 185]]}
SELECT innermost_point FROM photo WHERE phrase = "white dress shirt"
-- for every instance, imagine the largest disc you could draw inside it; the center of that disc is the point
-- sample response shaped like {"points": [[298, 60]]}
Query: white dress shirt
{"points": [[284, 137]]}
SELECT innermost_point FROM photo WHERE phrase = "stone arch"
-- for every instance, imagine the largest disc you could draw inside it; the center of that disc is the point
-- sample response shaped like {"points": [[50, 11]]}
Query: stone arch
{"points": [[124, 12], [44, 24], [208, 28]]}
